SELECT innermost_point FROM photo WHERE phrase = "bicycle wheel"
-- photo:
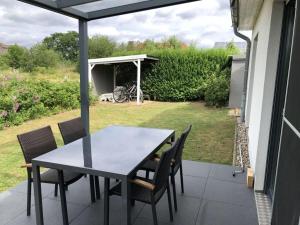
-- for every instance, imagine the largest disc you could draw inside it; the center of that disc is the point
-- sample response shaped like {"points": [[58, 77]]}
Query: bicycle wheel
{"points": [[141, 96], [119, 94]]}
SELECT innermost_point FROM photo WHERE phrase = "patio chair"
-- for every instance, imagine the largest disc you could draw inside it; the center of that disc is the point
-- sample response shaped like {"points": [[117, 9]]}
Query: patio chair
{"points": [[34, 144], [150, 191], [151, 165], [72, 130]]}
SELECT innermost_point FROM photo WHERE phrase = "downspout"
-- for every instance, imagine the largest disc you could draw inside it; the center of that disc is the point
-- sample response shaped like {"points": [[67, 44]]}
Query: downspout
{"points": [[244, 96], [234, 5]]}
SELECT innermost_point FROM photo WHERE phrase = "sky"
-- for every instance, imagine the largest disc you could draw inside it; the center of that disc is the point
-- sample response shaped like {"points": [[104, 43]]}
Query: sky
{"points": [[203, 23]]}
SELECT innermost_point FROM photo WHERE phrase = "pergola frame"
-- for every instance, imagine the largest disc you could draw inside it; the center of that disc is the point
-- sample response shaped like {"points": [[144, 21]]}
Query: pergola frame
{"points": [[104, 8]]}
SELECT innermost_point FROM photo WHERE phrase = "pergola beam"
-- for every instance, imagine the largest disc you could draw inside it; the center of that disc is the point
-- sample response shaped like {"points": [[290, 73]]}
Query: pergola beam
{"points": [[69, 3], [134, 7], [52, 6], [65, 7]]}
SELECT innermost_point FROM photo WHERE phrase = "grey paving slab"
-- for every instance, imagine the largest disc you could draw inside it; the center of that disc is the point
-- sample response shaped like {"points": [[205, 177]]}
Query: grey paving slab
{"points": [[229, 192], [218, 213], [197, 169], [211, 197], [12, 204], [52, 213], [93, 215], [193, 186], [224, 172], [22, 188], [146, 221], [79, 192], [187, 211]]}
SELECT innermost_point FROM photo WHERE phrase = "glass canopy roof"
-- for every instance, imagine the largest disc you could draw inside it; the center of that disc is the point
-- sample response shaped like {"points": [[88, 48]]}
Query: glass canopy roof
{"points": [[97, 9]]}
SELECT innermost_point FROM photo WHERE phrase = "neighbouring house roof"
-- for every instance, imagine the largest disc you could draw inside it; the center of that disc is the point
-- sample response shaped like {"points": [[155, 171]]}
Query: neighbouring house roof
{"points": [[3, 48], [244, 13], [121, 59]]}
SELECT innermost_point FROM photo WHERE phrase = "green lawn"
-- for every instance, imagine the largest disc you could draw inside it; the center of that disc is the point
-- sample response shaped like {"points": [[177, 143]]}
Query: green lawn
{"points": [[211, 138]]}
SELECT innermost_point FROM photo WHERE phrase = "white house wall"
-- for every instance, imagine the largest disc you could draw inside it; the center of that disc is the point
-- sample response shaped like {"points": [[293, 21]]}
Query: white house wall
{"points": [[268, 30]]}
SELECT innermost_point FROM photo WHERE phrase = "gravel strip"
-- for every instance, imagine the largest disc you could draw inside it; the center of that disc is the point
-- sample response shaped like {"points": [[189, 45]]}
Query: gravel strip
{"points": [[241, 140]]}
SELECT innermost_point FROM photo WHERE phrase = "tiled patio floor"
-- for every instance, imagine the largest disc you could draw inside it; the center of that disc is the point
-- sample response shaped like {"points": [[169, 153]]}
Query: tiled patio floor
{"points": [[212, 197]]}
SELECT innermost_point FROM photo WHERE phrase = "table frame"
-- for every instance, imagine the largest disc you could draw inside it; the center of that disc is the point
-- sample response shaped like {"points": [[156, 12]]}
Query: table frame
{"points": [[126, 205]]}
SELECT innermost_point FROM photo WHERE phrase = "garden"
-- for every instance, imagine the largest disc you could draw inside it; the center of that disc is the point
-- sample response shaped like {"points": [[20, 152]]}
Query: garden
{"points": [[40, 86]]}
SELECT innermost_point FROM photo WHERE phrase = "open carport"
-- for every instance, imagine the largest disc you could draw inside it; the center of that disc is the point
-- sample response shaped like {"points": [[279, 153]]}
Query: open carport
{"points": [[106, 73]]}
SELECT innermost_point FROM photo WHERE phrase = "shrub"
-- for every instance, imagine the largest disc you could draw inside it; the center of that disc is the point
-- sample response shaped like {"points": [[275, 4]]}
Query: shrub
{"points": [[3, 62], [181, 75], [216, 90], [43, 57], [24, 100], [17, 56]]}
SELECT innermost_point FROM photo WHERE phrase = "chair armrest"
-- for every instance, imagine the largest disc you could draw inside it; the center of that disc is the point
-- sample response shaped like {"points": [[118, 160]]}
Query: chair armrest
{"points": [[28, 165], [143, 184]]}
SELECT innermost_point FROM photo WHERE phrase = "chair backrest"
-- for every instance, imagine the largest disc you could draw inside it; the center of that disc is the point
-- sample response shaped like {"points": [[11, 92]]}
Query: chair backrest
{"points": [[72, 130], [37, 142], [181, 142], [162, 172]]}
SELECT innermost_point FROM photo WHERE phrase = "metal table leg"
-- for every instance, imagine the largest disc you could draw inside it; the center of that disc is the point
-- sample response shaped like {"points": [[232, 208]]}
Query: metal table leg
{"points": [[126, 206], [37, 194], [92, 189], [97, 186], [106, 200], [63, 200]]}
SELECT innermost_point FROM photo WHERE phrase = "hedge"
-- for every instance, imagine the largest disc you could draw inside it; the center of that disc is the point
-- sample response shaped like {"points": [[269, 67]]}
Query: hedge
{"points": [[183, 75], [24, 100], [189, 74]]}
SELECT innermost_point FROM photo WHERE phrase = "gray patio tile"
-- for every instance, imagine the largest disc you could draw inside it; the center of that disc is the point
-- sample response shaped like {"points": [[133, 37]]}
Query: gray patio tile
{"points": [[52, 213], [193, 186], [79, 192], [146, 221], [192, 168], [218, 213], [93, 215], [22, 188], [209, 190], [228, 192], [12, 204], [224, 172], [187, 211]]}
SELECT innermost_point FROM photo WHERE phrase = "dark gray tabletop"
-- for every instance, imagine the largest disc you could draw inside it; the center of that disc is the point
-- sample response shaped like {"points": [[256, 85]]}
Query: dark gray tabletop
{"points": [[115, 150]]}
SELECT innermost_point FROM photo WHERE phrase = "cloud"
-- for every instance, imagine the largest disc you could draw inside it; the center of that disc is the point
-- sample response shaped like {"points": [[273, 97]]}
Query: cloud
{"points": [[202, 22]]}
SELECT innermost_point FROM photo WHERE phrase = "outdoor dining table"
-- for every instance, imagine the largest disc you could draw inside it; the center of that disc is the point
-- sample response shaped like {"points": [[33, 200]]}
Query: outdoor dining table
{"points": [[113, 152]]}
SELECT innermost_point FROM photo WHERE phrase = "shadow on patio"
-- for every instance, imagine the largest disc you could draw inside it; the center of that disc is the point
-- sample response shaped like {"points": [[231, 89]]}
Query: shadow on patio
{"points": [[212, 197]]}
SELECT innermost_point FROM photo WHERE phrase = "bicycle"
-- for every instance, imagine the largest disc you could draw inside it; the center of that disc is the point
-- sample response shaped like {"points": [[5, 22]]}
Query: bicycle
{"points": [[127, 93]]}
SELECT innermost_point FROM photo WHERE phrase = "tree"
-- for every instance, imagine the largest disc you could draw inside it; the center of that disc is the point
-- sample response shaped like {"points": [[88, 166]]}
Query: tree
{"points": [[66, 44], [101, 46]]}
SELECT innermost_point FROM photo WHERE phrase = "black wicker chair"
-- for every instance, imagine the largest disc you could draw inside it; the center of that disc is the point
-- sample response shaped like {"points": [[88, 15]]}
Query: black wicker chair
{"points": [[149, 191], [151, 165], [72, 130], [34, 144]]}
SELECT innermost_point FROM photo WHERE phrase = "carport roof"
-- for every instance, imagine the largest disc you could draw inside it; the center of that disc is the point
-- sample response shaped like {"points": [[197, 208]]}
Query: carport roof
{"points": [[97, 9], [121, 59]]}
